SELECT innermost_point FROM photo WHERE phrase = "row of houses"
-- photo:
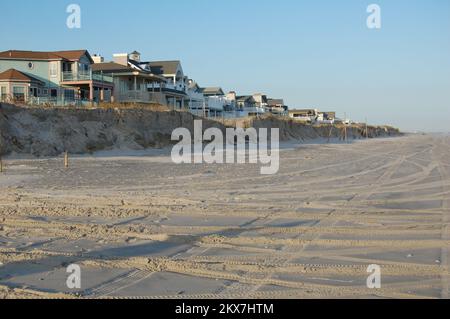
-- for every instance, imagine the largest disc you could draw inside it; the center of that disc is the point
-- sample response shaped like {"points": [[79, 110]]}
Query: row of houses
{"points": [[77, 78]]}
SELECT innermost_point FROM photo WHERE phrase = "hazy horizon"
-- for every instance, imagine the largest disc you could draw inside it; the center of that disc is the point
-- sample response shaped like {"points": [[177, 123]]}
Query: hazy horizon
{"points": [[314, 54]]}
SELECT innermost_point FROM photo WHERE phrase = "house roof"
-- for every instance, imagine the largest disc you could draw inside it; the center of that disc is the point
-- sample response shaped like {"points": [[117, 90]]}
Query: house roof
{"points": [[164, 67], [193, 85], [14, 75], [139, 66], [275, 101], [112, 67], [212, 91], [260, 97], [303, 111], [73, 55], [243, 98]]}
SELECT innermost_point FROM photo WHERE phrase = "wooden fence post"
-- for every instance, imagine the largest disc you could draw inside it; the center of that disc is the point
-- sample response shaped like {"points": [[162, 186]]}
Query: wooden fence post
{"points": [[331, 131], [66, 159], [367, 130], [1, 162]]}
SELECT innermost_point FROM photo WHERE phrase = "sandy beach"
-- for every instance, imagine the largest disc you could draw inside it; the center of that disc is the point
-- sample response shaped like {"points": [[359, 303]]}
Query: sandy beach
{"points": [[141, 226]]}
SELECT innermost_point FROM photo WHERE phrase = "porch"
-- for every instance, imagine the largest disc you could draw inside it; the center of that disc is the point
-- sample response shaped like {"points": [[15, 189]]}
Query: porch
{"points": [[87, 87]]}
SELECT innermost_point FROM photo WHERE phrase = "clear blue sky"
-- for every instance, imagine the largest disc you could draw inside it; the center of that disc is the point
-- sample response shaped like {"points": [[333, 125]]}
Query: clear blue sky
{"points": [[315, 53]]}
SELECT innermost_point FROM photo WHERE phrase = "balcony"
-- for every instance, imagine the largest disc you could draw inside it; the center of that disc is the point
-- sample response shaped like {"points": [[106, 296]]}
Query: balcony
{"points": [[85, 76], [254, 110], [216, 103], [195, 96], [276, 110], [168, 88], [102, 78]]}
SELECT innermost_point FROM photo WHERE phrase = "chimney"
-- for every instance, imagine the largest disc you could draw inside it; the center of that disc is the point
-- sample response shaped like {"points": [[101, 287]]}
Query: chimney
{"points": [[121, 58], [258, 97], [231, 96], [135, 56], [98, 58]]}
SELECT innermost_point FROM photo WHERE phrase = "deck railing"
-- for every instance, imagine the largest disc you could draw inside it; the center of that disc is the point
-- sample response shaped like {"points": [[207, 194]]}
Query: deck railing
{"points": [[102, 78], [53, 101], [85, 76]]}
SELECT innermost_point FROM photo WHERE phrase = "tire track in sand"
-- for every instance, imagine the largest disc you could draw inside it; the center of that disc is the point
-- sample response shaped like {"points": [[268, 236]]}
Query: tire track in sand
{"points": [[326, 222], [439, 155]]}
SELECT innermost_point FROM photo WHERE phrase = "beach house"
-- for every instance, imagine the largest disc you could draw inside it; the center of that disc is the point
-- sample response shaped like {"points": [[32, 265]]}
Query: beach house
{"points": [[277, 106], [305, 115], [162, 82], [260, 101], [196, 102], [18, 86], [57, 78], [174, 90], [251, 105], [215, 100], [133, 80]]}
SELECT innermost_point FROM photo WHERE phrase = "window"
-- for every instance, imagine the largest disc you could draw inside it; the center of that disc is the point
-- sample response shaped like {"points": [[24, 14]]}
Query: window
{"points": [[33, 92], [69, 95], [3, 94], [67, 67], [85, 67], [53, 69], [31, 65], [130, 85], [54, 93], [45, 92], [19, 93]]}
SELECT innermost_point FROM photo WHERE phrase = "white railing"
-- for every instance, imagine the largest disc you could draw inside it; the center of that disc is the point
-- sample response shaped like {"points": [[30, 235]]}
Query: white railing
{"points": [[219, 103], [254, 110], [277, 110], [79, 76], [85, 76], [102, 78], [215, 103], [195, 96], [170, 86]]}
